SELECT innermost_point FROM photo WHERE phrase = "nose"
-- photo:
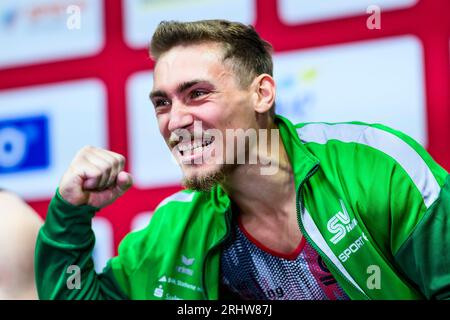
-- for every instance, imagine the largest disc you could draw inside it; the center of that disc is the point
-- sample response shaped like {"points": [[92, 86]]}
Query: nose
{"points": [[180, 117]]}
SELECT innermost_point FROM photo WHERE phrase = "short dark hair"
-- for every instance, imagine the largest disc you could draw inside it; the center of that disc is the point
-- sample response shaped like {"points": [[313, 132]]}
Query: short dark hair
{"points": [[249, 53]]}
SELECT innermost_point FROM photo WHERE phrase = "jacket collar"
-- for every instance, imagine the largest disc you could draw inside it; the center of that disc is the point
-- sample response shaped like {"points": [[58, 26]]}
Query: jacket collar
{"points": [[302, 161]]}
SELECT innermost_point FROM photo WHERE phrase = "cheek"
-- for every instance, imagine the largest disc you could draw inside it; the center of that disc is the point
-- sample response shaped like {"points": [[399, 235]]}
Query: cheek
{"points": [[240, 111], [213, 117], [210, 114]]}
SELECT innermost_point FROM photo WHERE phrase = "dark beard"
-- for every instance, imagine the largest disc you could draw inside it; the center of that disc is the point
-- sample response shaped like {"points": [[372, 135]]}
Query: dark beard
{"points": [[207, 182]]}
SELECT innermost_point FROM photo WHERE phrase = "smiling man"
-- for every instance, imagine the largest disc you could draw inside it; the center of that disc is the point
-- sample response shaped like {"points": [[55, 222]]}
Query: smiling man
{"points": [[351, 211], [206, 90]]}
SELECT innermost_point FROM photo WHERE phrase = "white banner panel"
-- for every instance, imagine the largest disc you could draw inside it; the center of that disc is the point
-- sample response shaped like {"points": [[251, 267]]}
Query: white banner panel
{"points": [[151, 161], [104, 242], [372, 81], [33, 31], [141, 220], [42, 128], [303, 11], [143, 16]]}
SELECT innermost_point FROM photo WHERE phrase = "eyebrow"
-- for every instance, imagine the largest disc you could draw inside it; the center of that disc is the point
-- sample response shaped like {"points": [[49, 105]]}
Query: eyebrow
{"points": [[180, 88]]}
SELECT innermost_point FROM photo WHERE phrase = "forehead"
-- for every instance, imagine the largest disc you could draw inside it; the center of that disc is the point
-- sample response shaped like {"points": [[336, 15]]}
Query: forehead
{"points": [[185, 63]]}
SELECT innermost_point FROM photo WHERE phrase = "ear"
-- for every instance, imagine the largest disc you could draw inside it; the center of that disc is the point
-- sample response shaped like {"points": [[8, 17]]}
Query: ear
{"points": [[264, 92]]}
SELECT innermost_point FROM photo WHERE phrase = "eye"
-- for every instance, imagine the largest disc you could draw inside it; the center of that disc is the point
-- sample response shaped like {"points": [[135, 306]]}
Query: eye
{"points": [[197, 93], [161, 103]]}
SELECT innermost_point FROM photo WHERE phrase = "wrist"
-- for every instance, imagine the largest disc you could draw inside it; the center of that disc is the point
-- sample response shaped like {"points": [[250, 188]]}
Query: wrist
{"points": [[68, 223]]}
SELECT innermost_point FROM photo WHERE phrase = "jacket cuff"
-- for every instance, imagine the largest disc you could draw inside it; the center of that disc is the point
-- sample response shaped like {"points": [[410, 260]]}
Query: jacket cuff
{"points": [[69, 224]]}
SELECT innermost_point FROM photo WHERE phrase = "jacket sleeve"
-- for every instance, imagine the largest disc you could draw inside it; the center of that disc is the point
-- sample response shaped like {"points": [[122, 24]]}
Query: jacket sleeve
{"points": [[420, 220], [425, 255], [64, 268]]}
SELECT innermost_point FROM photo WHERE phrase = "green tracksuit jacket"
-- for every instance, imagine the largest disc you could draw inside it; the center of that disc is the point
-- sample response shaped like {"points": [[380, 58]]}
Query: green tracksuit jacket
{"points": [[370, 200]]}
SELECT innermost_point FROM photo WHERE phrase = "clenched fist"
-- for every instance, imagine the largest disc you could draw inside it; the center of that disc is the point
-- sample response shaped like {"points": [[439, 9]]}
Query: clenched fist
{"points": [[95, 177]]}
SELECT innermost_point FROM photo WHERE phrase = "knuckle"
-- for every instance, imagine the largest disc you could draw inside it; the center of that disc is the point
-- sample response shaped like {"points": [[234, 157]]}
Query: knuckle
{"points": [[88, 148], [97, 173], [121, 160], [106, 168], [115, 161], [118, 156]]}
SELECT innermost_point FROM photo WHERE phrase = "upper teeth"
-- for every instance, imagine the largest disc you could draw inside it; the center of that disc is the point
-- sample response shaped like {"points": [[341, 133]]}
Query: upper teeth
{"points": [[196, 144]]}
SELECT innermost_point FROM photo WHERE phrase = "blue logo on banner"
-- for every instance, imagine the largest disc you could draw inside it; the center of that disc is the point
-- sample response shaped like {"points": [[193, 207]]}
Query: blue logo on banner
{"points": [[9, 17], [24, 144]]}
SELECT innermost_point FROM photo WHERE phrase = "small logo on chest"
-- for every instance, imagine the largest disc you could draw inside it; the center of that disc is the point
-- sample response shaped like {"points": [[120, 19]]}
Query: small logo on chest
{"points": [[341, 224], [187, 262]]}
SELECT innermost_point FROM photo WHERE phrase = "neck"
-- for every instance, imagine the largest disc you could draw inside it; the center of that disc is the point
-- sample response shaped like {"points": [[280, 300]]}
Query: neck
{"points": [[260, 195]]}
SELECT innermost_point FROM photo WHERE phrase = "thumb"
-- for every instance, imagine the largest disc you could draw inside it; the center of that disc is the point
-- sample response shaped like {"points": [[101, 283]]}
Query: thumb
{"points": [[123, 183]]}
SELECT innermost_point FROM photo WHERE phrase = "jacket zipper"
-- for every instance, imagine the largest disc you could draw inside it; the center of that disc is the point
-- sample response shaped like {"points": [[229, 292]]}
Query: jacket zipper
{"points": [[213, 248], [299, 206]]}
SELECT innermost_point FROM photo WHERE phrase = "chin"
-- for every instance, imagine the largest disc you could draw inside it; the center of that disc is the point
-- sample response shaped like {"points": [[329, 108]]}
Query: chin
{"points": [[203, 177]]}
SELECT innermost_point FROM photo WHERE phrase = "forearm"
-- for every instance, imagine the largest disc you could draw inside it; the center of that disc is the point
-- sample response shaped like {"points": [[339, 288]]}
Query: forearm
{"points": [[63, 263]]}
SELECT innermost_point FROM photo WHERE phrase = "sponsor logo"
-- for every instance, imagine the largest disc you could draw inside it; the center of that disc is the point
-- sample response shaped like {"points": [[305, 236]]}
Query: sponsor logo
{"points": [[187, 262], [184, 270], [9, 17], [176, 282], [48, 27], [39, 15], [353, 248], [24, 144], [172, 297], [340, 224], [159, 292], [298, 96]]}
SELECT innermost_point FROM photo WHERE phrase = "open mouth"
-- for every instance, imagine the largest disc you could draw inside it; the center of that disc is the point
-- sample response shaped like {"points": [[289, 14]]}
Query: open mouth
{"points": [[195, 147]]}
